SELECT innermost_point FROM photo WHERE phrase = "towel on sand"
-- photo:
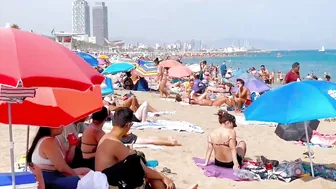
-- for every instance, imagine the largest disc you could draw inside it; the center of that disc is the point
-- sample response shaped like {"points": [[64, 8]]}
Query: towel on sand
{"points": [[214, 171], [241, 120], [180, 126]]}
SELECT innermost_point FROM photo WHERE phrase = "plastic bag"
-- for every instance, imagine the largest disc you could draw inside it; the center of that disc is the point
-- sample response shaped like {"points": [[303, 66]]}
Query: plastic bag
{"points": [[246, 175]]}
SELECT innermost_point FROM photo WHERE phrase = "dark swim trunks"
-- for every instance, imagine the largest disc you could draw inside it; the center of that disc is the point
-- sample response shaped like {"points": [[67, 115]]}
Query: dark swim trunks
{"points": [[229, 164]]}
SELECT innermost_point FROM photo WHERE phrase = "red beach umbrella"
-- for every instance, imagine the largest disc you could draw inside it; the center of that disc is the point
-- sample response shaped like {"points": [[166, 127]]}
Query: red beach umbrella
{"points": [[179, 71], [37, 61], [53, 107], [169, 63]]}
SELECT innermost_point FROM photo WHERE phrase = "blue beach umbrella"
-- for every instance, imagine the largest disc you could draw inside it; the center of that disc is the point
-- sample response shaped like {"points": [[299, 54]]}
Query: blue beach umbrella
{"points": [[295, 102], [118, 67], [88, 58]]}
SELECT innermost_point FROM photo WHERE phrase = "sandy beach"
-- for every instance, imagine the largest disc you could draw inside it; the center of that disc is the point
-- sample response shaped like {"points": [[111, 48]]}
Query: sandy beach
{"points": [[261, 140]]}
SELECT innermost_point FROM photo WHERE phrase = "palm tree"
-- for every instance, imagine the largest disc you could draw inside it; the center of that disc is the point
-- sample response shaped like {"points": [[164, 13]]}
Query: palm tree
{"points": [[15, 26]]}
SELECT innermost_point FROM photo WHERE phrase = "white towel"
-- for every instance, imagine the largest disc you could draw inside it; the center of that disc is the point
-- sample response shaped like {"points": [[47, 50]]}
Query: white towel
{"points": [[93, 180]]}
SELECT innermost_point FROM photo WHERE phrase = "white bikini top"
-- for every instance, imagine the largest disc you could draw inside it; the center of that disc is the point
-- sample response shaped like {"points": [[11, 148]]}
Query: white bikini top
{"points": [[36, 158]]}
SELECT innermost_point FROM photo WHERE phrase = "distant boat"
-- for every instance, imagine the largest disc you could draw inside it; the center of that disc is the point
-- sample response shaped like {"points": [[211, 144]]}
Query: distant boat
{"points": [[279, 55], [322, 49]]}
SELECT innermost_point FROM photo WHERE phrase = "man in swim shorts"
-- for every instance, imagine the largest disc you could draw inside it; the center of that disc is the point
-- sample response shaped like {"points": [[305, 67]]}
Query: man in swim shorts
{"points": [[243, 95]]}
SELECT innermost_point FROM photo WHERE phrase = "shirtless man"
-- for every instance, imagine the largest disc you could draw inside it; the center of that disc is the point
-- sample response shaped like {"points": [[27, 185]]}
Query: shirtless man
{"points": [[264, 74], [243, 96], [114, 158]]}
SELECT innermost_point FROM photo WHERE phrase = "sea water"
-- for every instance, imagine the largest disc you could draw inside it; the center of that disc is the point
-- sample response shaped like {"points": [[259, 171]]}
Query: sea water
{"points": [[310, 61]]}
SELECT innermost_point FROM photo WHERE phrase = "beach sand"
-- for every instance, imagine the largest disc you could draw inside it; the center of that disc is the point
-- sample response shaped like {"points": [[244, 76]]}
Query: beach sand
{"points": [[261, 140]]}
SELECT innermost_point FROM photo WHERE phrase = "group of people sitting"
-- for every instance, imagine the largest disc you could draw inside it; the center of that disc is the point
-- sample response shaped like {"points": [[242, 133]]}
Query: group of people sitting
{"points": [[204, 95], [59, 161], [61, 164]]}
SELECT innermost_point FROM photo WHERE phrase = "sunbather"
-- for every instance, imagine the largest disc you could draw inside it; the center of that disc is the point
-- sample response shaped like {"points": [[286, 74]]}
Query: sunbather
{"points": [[204, 100], [45, 153], [121, 165], [228, 152], [92, 136]]}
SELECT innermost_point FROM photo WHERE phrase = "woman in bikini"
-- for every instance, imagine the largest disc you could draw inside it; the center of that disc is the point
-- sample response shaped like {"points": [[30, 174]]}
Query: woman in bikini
{"points": [[228, 153], [92, 136]]}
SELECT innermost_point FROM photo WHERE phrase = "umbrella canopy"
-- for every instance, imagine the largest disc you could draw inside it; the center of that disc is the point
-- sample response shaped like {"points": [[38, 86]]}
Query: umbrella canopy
{"points": [[296, 131], [194, 67], [169, 63], [295, 102], [101, 61], [146, 69], [37, 61], [88, 58], [53, 107], [179, 71], [118, 67], [253, 83], [103, 57]]}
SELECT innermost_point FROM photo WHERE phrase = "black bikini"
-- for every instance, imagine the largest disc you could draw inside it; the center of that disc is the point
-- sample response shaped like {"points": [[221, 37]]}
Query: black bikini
{"points": [[127, 174], [227, 164], [90, 162]]}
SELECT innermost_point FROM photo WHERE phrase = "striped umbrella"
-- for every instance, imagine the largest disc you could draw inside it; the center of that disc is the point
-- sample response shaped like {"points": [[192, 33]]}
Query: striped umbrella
{"points": [[145, 69]]}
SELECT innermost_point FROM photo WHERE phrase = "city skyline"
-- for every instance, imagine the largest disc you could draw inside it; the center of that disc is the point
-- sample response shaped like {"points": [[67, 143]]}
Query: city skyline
{"points": [[266, 24]]}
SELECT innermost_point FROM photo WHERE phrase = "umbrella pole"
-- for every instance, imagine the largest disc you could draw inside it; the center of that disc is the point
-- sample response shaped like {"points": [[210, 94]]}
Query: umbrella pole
{"points": [[309, 152], [11, 143], [27, 145]]}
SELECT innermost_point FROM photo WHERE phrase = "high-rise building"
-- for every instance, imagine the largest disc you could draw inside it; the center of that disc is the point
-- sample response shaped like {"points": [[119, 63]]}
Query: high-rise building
{"points": [[100, 22], [81, 17]]}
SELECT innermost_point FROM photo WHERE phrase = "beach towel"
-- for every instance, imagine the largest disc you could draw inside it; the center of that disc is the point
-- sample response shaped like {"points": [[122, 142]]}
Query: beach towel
{"points": [[323, 139], [214, 171], [241, 120], [152, 114], [180, 126]]}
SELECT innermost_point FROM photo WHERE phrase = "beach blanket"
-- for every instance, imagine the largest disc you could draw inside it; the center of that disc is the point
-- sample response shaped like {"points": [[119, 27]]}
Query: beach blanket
{"points": [[241, 120], [214, 171], [301, 143], [323, 139], [152, 114], [150, 146], [180, 126]]}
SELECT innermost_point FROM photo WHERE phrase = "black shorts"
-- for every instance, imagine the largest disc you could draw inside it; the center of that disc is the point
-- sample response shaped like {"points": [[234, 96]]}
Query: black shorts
{"points": [[130, 139], [229, 164], [267, 81]]}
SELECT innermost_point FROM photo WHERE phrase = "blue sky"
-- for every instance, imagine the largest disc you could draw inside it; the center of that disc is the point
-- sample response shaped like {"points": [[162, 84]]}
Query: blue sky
{"points": [[268, 23]]}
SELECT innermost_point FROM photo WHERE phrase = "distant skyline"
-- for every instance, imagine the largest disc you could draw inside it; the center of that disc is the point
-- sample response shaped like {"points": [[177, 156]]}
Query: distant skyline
{"points": [[267, 24]]}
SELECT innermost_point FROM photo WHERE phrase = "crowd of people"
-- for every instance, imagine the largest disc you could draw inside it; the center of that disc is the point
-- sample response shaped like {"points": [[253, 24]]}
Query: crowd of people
{"points": [[60, 158]]}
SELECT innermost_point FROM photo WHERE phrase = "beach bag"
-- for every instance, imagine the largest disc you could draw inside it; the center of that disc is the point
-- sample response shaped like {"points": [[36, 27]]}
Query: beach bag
{"points": [[290, 169]]}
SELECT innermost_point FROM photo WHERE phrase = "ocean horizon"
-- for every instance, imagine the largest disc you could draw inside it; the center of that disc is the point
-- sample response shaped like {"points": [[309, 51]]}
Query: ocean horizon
{"points": [[311, 61]]}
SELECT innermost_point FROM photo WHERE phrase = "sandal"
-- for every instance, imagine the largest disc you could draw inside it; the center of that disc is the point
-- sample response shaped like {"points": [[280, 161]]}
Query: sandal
{"points": [[167, 171]]}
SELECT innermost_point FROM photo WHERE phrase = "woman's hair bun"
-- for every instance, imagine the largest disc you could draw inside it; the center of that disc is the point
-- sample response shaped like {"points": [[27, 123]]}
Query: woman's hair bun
{"points": [[221, 113]]}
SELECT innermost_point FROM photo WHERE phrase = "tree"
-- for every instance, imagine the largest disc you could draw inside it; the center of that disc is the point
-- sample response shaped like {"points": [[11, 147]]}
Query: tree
{"points": [[15, 26]]}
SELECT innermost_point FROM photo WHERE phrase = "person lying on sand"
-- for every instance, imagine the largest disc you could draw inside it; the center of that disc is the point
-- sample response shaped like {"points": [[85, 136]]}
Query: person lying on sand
{"points": [[228, 152], [226, 88], [122, 163]]}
